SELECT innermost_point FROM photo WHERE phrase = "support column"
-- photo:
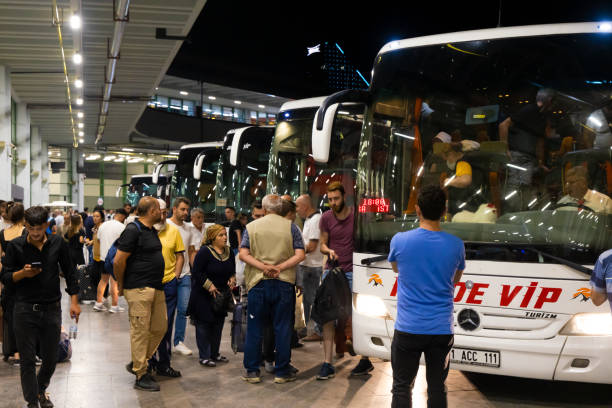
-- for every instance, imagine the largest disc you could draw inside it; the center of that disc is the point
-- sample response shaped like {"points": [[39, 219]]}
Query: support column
{"points": [[23, 152], [78, 180], [5, 133], [44, 172], [35, 165]]}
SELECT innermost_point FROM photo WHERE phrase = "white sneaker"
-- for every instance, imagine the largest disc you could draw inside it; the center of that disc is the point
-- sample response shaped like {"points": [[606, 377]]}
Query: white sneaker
{"points": [[116, 309], [99, 307], [183, 349], [107, 302]]}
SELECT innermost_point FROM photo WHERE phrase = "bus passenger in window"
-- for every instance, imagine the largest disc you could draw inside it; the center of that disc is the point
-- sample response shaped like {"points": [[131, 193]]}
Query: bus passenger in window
{"points": [[579, 195]]}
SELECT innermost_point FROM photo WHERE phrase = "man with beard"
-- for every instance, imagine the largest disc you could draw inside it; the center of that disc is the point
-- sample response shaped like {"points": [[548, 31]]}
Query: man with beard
{"points": [[139, 269], [337, 243]]}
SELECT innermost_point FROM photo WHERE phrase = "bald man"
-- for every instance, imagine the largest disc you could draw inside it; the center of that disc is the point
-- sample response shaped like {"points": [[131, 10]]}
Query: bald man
{"points": [[310, 270]]}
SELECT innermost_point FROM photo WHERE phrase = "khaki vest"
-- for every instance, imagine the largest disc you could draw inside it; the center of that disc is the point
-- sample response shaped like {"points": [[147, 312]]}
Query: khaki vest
{"points": [[271, 242]]}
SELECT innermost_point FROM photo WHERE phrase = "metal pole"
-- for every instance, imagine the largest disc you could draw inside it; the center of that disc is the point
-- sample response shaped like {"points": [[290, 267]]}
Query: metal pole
{"points": [[202, 111], [124, 180], [102, 179]]}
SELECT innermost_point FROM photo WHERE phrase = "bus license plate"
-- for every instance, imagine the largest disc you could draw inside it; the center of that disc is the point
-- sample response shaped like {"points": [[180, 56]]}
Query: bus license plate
{"points": [[485, 358]]}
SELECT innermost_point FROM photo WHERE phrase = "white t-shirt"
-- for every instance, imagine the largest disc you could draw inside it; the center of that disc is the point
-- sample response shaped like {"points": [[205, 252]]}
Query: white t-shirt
{"points": [[312, 231], [197, 236], [185, 230], [108, 233], [59, 220]]}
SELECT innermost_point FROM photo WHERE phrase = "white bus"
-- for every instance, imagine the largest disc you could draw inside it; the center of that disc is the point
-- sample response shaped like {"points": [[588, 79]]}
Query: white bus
{"points": [[514, 123]]}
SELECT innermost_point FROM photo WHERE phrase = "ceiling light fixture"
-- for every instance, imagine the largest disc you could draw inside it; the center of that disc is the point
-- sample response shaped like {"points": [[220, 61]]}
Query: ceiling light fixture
{"points": [[184, 93], [126, 149], [79, 101], [80, 115], [81, 133], [77, 58], [262, 106], [238, 102], [212, 98], [81, 125], [75, 22], [78, 83]]}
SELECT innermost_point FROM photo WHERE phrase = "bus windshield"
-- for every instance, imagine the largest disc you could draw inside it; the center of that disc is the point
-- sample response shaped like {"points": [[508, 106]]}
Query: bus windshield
{"points": [[292, 168], [240, 186], [201, 192], [517, 132]]}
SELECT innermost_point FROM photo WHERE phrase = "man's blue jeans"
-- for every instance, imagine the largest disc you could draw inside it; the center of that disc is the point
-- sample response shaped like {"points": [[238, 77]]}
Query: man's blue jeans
{"points": [[184, 290], [161, 359], [270, 299]]}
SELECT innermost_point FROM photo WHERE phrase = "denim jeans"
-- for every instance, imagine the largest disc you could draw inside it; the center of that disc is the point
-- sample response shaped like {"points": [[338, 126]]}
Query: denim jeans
{"points": [[184, 290], [33, 329], [164, 351], [309, 278], [270, 299]]}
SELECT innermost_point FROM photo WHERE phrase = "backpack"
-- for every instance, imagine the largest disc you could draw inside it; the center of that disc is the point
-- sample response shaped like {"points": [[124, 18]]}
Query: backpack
{"points": [[333, 298], [112, 251]]}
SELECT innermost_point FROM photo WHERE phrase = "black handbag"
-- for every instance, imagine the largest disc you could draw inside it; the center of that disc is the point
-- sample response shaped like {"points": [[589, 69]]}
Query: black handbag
{"points": [[223, 302]]}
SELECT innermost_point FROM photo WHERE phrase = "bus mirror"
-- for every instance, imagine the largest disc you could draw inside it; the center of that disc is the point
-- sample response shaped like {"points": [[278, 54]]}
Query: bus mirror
{"points": [[197, 166], [155, 175], [321, 139]]}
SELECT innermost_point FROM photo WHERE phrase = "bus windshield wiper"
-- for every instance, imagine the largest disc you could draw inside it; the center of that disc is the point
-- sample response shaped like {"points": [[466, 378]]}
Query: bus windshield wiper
{"points": [[371, 260], [563, 261]]}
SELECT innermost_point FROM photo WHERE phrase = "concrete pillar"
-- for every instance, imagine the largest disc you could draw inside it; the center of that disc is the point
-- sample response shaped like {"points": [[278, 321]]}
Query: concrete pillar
{"points": [[5, 134], [44, 172], [78, 179], [35, 166], [23, 152]]}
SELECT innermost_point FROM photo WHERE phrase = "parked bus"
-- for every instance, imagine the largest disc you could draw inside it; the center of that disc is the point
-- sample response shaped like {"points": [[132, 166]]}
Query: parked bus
{"points": [[243, 168], [293, 170], [514, 124], [141, 185]]}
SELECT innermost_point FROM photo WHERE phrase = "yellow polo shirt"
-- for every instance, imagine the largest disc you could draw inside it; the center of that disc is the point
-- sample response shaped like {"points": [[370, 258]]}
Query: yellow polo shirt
{"points": [[172, 244]]}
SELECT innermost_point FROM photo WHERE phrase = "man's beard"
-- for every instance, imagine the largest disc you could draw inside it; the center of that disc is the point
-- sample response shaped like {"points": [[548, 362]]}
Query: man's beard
{"points": [[339, 209]]}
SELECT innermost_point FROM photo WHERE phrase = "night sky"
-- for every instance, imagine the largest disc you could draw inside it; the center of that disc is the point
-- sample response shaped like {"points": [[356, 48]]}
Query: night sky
{"points": [[261, 45]]}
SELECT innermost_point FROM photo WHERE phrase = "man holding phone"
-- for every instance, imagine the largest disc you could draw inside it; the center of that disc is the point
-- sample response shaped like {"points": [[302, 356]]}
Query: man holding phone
{"points": [[31, 266]]}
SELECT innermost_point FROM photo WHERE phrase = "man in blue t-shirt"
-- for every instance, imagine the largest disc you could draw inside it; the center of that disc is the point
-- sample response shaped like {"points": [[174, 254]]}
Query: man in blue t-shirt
{"points": [[601, 280], [429, 263]]}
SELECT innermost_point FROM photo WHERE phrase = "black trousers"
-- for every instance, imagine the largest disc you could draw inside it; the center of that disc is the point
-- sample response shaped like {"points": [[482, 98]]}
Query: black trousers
{"points": [[208, 338], [9, 346], [37, 326], [406, 351]]}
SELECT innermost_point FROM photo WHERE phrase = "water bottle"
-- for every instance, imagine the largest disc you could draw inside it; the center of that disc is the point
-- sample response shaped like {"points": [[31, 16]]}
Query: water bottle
{"points": [[74, 329]]}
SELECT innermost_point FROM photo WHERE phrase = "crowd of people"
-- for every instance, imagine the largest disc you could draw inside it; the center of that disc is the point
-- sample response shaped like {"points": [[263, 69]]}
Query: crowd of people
{"points": [[171, 271]]}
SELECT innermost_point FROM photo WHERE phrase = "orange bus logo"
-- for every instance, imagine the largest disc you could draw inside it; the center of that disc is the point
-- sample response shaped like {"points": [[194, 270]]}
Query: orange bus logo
{"points": [[583, 293], [374, 278]]}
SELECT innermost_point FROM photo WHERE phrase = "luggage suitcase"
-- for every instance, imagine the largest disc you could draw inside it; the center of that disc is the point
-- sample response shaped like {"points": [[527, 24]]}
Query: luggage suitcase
{"points": [[239, 326], [87, 290]]}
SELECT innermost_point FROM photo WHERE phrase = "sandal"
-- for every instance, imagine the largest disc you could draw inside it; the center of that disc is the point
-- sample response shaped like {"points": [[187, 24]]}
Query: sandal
{"points": [[208, 363], [221, 359]]}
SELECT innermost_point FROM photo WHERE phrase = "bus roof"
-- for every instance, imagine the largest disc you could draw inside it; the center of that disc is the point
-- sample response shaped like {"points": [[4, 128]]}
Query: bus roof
{"points": [[303, 103], [500, 32]]}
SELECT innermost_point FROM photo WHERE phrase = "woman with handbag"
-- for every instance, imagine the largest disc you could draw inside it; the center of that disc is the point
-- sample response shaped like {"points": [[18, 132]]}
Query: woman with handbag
{"points": [[212, 279]]}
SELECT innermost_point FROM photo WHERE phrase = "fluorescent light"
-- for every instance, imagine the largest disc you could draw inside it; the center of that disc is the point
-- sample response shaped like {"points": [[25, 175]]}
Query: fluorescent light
{"points": [[344, 113], [546, 206], [77, 58], [81, 140], [514, 166], [605, 27], [126, 149], [78, 83], [80, 115], [81, 133], [80, 125], [262, 106], [79, 101], [450, 180], [75, 21], [252, 168], [238, 102], [212, 98], [184, 93], [403, 135], [512, 194], [109, 158]]}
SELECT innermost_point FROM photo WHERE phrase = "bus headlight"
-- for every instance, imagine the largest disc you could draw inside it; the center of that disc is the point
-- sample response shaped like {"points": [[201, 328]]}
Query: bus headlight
{"points": [[371, 306], [589, 324]]}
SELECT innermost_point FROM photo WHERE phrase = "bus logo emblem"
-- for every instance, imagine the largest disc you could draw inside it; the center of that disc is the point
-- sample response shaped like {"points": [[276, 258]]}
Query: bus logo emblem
{"points": [[583, 293], [468, 319], [375, 278]]}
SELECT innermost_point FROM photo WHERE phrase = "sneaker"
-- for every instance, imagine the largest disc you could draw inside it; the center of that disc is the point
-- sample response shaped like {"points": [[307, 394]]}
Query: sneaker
{"points": [[168, 372], [146, 383], [107, 302], [208, 363], [363, 367], [37, 361], [293, 369], [99, 307], [313, 337], [288, 378], [130, 368], [349, 347], [44, 401], [252, 377], [116, 309], [269, 367], [220, 359], [327, 371], [183, 349], [33, 405]]}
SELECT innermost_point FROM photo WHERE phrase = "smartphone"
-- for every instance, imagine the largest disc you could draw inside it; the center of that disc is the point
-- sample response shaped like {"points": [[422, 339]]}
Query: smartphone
{"points": [[36, 265]]}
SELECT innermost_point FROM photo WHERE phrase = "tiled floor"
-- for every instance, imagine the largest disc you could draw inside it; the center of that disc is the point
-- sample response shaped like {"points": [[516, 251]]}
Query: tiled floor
{"points": [[96, 377]]}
